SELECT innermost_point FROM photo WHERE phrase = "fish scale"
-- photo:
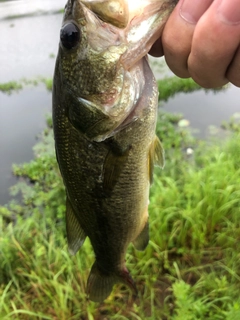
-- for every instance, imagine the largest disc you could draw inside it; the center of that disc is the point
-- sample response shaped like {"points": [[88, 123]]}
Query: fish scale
{"points": [[105, 101]]}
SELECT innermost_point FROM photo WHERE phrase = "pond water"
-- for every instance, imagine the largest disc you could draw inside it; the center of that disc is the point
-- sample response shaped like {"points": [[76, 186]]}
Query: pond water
{"points": [[28, 44]]}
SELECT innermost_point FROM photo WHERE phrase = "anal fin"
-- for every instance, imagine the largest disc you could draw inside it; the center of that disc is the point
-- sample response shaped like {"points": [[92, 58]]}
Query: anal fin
{"points": [[141, 242], [75, 233]]}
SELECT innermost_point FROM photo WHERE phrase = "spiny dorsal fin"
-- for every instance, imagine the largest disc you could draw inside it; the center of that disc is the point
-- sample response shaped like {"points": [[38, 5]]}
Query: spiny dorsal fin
{"points": [[75, 233], [156, 156]]}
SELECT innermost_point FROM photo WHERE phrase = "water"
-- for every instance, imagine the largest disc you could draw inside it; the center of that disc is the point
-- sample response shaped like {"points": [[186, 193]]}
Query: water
{"points": [[10, 8], [22, 117], [27, 45], [206, 109]]}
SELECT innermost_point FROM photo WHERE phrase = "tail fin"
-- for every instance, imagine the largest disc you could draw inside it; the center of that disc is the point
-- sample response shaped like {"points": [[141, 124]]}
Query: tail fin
{"points": [[99, 285]]}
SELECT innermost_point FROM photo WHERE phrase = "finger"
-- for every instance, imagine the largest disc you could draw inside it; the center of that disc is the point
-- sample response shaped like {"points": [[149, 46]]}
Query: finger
{"points": [[178, 33], [215, 42], [233, 72]]}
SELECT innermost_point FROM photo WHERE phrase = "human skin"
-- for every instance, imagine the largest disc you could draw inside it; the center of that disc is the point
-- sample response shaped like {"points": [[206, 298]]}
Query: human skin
{"points": [[202, 40]]}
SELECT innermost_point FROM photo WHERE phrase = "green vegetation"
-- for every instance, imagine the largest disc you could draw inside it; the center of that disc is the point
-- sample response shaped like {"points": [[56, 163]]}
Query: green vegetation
{"points": [[52, 55], [60, 11], [233, 124], [10, 87], [48, 83], [15, 86], [190, 269], [171, 86]]}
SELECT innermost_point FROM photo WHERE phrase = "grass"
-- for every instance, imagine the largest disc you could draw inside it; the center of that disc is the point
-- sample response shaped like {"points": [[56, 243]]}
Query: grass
{"points": [[190, 269]]}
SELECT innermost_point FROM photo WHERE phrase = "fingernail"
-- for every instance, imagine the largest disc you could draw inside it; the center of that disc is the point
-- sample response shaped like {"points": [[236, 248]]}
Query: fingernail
{"points": [[230, 11], [192, 10]]}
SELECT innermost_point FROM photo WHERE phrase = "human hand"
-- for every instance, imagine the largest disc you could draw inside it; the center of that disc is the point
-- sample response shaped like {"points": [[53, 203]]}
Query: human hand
{"points": [[201, 40]]}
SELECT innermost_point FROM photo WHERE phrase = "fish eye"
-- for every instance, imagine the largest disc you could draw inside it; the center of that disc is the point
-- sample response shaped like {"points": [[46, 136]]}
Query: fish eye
{"points": [[70, 35]]}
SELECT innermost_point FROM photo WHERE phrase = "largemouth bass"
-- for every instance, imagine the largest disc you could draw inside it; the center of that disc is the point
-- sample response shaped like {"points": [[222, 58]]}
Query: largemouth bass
{"points": [[105, 101]]}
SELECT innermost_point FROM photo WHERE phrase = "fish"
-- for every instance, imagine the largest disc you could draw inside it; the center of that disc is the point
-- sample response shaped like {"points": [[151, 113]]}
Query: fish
{"points": [[105, 101]]}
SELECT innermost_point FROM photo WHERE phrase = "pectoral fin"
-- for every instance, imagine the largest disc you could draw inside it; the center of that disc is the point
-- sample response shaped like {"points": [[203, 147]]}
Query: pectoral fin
{"points": [[156, 156], [113, 165], [75, 233]]}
